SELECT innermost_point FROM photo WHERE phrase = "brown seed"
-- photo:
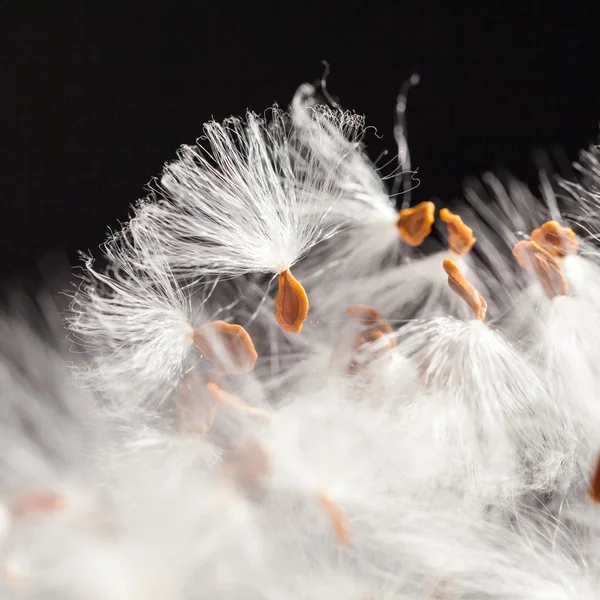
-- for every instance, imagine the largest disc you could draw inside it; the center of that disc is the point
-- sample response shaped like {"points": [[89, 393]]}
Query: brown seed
{"points": [[594, 486], [460, 237], [459, 285], [442, 590], [415, 223], [228, 347], [234, 402], [291, 303], [247, 465], [376, 326], [200, 396], [338, 520], [370, 318], [555, 239], [195, 405], [546, 268], [35, 503], [13, 575]]}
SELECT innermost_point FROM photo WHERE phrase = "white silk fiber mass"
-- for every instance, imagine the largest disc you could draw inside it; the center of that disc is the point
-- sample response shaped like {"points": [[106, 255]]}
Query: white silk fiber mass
{"points": [[412, 414]]}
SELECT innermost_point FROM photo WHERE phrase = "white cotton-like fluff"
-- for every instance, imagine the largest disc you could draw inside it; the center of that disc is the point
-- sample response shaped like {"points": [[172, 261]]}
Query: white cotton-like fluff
{"points": [[136, 324], [232, 205], [563, 338], [332, 140], [511, 434], [475, 558], [428, 431], [326, 146]]}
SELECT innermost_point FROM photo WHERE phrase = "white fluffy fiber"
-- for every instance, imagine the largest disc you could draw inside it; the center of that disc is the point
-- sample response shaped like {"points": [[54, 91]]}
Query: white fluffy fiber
{"points": [[410, 453], [235, 195]]}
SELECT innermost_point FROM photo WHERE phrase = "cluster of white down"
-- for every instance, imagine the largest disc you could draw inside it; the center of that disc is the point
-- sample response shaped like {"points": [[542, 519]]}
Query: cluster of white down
{"points": [[399, 450]]}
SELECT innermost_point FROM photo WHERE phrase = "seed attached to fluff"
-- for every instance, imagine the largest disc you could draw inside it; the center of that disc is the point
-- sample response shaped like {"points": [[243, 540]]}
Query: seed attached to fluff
{"points": [[195, 405], [247, 465], [200, 396], [460, 237], [546, 268], [338, 520], [365, 356], [232, 401], [36, 503], [459, 285], [375, 327], [371, 319], [441, 591], [228, 347], [291, 304], [415, 223], [14, 574], [555, 239], [594, 486]]}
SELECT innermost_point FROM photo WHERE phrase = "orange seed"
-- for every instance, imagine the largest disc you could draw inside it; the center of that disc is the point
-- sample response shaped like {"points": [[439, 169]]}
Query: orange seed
{"points": [[291, 303], [460, 237], [195, 405], [441, 591], [35, 503], [233, 401], [247, 464], [594, 486], [555, 239], [460, 285], [415, 223], [228, 347], [376, 327], [370, 318], [546, 268], [338, 520]]}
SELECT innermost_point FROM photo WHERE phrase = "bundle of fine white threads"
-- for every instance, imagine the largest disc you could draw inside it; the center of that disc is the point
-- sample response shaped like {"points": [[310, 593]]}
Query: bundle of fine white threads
{"points": [[285, 380]]}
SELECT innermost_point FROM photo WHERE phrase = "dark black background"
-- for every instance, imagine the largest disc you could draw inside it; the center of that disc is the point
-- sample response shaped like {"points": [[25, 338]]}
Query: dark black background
{"points": [[96, 96]]}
